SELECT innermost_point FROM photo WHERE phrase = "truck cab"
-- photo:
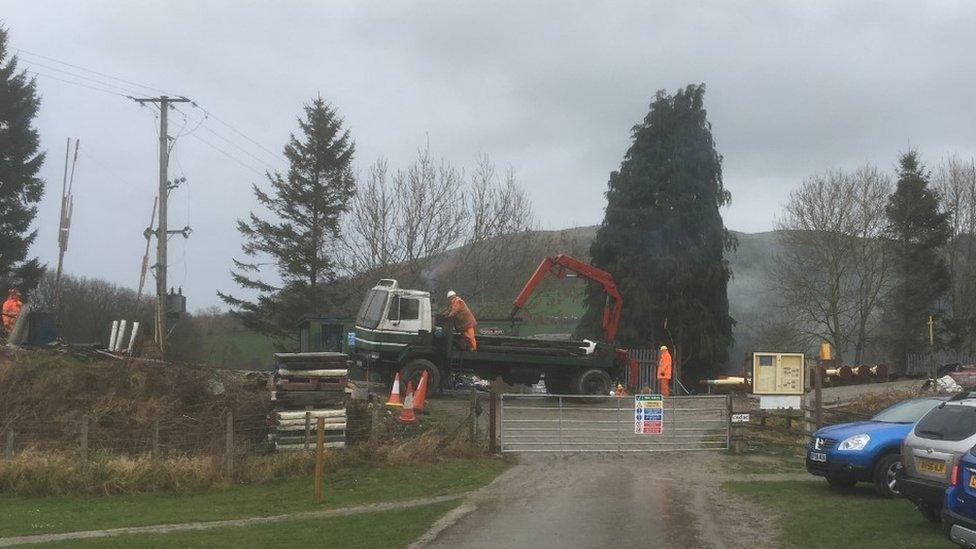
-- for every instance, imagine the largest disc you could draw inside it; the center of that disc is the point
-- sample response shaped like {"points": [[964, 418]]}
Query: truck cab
{"points": [[397, 332]]}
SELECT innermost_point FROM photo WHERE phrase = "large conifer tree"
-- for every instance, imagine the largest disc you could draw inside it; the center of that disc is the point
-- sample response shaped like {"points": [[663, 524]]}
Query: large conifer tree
{"points": [[919, 231], [663, 239], [299, 238], [20, 160]]}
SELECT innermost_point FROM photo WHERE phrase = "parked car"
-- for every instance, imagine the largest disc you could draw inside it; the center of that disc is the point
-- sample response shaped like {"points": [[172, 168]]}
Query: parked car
{"points": [[959, 506], [930, 451], [867, 451]]}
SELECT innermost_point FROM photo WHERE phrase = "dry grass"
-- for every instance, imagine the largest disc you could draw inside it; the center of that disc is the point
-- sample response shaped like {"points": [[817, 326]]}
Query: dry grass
{"points": [[36, 472]]}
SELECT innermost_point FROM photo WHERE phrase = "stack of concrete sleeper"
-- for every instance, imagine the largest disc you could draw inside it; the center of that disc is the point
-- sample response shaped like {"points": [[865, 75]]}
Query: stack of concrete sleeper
{"points": [[311, 384]]}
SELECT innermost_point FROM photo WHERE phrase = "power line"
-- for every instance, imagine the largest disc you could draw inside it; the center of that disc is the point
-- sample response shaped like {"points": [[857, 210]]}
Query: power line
{"points": [[30, 64], [131, 83], [228, 155], [103, 90], [277, 156]]}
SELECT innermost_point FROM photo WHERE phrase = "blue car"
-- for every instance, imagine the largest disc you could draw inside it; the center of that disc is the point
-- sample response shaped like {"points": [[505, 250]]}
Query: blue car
{"points": [[867, 451], [959, 507]]}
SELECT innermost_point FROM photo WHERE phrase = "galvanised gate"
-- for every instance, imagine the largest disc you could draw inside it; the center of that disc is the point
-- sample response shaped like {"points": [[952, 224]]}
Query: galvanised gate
{"points": [[572, 423]]}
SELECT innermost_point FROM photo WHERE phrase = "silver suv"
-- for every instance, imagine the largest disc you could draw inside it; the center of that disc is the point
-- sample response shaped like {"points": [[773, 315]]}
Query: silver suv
{"points": [[932, 448]]}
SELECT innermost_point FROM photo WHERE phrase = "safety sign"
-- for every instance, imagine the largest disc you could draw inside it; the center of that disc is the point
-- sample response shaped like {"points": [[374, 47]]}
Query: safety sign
{"points": [[648, 414]]}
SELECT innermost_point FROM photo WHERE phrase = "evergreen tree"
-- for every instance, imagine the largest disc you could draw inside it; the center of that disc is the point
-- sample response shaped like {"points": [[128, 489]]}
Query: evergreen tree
{"points": [[20, 187], [663, 239], [918, 231], [300, 239]]}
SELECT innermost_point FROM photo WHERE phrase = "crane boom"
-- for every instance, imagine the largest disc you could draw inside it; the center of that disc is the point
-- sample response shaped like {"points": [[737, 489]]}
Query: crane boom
{"points": [[562, 266]]}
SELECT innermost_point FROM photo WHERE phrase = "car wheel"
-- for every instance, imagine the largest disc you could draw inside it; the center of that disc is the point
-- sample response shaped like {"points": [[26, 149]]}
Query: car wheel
{"points": [[838, 480], [886, 474]]}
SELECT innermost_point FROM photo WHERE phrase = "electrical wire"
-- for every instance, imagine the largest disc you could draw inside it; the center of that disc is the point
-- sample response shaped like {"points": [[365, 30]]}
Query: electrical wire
{"points": [[131, 83], [103, 90]]}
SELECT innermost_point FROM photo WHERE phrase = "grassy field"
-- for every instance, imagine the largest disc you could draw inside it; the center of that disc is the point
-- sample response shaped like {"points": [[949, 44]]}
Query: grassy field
{"points": [[384, 529], [811, 514], [27, 516]]}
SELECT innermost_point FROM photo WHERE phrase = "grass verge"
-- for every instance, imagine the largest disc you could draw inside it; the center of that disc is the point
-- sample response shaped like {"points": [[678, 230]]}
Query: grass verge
{"points": [[812, 514], [347, 487], [384, 529]]}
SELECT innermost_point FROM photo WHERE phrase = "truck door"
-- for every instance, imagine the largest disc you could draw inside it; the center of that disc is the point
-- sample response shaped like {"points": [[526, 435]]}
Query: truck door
{"points": [[404, 314]]}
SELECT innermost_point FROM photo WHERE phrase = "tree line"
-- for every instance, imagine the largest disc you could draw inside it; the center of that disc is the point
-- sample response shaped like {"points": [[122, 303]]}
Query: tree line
{"points": [[868, 257]]}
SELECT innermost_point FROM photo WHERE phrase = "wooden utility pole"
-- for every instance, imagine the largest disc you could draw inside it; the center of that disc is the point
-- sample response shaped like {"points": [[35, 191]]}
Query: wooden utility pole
{"points": [[162, 232], [932, 369]]}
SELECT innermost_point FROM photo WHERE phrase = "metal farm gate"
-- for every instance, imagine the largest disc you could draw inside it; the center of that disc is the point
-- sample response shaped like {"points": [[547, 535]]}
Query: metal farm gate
{"points": [[569, 423]]}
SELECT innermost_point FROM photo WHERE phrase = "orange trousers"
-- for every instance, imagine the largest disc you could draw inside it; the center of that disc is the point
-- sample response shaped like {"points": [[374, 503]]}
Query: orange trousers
{"points": [[664, 386], [468, 334]]}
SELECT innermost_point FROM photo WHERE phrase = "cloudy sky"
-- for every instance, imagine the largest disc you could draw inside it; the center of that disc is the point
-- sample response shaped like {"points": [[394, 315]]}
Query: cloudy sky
{"points": [[548, 88]]}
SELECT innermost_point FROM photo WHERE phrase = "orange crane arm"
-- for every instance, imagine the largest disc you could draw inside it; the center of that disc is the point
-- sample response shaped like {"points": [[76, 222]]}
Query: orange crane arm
{"points": [[562, 266]]}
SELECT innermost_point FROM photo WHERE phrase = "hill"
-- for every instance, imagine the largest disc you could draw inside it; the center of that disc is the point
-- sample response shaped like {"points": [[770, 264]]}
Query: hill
{"points": [[556, 305]]}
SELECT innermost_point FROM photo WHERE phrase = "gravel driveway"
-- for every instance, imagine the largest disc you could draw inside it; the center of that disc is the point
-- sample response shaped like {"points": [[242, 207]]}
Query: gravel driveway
{"points": [[610, 500]]}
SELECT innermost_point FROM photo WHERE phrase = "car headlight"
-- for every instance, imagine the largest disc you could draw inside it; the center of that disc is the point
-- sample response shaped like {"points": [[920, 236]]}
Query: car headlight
{"points": [[854, 443]]}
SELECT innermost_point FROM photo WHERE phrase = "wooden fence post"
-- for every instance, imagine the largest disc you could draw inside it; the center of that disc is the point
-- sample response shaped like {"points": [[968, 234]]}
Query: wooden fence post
{"points": [[374, 424], [493, 422], [8, 449], [155, 440], [229, 445], [474, 416], [319, 457], [308, 427], [83, 454]]}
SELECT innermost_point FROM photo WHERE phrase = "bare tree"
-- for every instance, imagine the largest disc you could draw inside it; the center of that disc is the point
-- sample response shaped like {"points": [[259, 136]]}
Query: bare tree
{"points": [[834, 267], [956, 181], [428, 224]]}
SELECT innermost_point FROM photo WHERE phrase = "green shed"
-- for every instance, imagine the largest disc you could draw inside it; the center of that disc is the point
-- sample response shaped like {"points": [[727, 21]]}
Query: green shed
{"points": [[318, 334]]}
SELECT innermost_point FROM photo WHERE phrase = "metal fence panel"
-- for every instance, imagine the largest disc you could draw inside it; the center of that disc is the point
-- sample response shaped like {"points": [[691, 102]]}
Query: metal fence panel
{"points": [[571, 423]]}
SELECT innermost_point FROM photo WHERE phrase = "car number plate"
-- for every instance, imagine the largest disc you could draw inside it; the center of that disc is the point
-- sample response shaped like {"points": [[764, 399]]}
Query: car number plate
{"points": [[817, 456], [930, 465]]}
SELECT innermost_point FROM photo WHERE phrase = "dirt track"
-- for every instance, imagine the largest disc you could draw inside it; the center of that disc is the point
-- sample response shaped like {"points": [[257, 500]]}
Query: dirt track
{"points": [[602, 500]]}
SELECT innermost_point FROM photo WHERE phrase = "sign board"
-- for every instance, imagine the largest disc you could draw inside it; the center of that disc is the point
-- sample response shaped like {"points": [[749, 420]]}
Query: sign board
{"points": [[351, 339], [740, 418], [648, 414], [778, 373], [780, 402]]}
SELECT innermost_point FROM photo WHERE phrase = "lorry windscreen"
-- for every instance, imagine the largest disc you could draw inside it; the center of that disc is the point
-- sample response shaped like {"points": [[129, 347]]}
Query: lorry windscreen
{"points": [[372, 310]]}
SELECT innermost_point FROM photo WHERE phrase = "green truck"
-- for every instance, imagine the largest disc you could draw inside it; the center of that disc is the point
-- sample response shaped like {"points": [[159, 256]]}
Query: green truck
{"points": [[398, 331]]}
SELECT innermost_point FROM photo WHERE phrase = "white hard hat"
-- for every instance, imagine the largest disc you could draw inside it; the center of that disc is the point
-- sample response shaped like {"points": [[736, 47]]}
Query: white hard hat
{"points": [[451, 294]]}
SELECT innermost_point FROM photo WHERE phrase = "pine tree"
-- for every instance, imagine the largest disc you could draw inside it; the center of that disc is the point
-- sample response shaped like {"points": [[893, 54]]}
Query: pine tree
{"points": [[20, 187], [663, 239], [919, 232], [299, 239]]}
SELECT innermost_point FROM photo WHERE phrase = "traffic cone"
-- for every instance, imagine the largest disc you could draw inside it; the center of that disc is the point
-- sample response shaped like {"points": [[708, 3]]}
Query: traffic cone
{"points": [[407, 415], [395, 394], [420, 396]]}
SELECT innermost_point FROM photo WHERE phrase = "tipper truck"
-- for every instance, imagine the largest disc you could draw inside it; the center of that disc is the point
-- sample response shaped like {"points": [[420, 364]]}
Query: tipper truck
{"points": [[397, 331]]}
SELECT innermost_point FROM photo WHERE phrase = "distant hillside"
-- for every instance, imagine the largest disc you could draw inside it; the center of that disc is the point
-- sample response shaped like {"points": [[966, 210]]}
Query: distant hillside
{"points": [[556, 305]]}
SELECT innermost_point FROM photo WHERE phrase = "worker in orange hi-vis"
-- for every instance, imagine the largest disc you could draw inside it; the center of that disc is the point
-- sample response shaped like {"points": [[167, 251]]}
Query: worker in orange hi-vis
{"points": [[664, 371], [463, 318], [11, 309]]}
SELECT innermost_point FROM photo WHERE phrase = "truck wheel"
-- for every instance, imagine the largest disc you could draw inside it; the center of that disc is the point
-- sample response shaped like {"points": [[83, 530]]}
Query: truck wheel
{"points": [[414, 369], [592, 382], [557, 385], [885, 472]]}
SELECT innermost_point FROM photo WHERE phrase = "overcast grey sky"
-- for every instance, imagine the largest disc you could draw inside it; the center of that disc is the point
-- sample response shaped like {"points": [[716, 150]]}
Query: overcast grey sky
{"points": [[549, 88]]}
